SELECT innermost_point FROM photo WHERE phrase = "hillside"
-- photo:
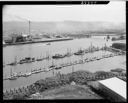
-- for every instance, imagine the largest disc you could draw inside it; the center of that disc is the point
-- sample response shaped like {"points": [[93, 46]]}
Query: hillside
{"points": [[69, 27]]}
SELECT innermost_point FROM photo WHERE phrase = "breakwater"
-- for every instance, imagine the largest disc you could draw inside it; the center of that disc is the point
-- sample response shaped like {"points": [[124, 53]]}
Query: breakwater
{"points": [[37, 41]]}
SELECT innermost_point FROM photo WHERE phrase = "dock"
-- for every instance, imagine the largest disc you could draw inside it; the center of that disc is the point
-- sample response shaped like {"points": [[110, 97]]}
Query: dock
{"points": [[37, 41]]}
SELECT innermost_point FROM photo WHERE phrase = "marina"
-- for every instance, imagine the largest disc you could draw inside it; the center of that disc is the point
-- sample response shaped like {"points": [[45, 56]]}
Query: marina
{"points": [[47, 63]]}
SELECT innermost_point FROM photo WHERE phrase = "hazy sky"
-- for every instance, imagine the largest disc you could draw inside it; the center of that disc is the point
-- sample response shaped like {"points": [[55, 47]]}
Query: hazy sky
{"points": [[113, 12]]}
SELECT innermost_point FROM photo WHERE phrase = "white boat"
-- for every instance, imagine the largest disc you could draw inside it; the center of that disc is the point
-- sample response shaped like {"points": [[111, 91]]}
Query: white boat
{"points": [[48, 44], [13, 76], [27, 74]]}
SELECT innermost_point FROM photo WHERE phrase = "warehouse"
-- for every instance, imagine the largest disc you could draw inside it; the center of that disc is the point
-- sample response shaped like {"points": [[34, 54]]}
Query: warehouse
{"points": [[114, 88]]}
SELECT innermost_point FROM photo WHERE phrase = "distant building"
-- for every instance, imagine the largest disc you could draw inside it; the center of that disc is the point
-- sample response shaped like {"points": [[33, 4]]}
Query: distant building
{"points": [[114, 88]]}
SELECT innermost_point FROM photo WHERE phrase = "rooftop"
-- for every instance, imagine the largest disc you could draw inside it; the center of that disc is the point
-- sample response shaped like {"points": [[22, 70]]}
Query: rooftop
{"points": [[115, 84]]}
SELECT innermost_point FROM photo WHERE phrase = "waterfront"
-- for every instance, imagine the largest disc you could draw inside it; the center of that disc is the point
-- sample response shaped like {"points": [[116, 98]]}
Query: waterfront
{"points": [[41, 49]]}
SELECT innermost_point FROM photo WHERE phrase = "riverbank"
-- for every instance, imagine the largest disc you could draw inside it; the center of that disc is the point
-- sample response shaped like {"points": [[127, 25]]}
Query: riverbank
{"points": [[79, 77]]}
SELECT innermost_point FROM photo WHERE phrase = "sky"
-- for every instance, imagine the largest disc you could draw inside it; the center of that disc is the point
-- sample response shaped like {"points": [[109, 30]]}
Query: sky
{"points": [[113, 12]]}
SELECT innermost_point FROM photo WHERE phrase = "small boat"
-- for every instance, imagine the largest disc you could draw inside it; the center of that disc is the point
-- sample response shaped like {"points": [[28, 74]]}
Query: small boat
{"points": [[86, 51], [46, 69], [98, 58], [87, 60], [27, 60], [68, 54], [40, 59], [13, 63], [19, 74], [91, 59], [79, 52], [13, 76], [27, 74], [52, 66], [48, 44], [81, 61], [58, 67], [37, 71], [57, 56]]}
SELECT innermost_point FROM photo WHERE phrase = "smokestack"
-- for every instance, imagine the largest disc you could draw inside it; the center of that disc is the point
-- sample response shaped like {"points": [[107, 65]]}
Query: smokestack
{"points": [[29, 28]]}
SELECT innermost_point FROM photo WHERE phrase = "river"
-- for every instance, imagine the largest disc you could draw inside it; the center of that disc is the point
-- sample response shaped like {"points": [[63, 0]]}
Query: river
{"points": [[41, 49]]}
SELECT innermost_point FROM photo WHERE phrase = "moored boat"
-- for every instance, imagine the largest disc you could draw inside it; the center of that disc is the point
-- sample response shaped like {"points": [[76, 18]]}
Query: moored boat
{"points": [[57, 56], [80, 52], [48, 44], [39, 59], [27, 74], [13, 63], [13, 76], [59, 67], [27, 60]]}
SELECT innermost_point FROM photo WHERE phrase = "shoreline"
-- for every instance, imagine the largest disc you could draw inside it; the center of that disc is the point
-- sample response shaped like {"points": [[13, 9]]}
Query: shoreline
{"points": [[37, 41]]}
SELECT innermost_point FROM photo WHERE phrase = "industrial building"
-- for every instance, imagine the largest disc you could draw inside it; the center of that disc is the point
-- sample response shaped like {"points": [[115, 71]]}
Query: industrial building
{"points": [[114, 88]]}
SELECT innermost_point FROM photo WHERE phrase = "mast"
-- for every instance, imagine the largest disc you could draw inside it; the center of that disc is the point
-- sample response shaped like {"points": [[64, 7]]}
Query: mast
{"points": [[72, 68], [11, 72], [29, 27], [52, 62], [91, 46], [3, 63], [15, 60]]}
